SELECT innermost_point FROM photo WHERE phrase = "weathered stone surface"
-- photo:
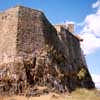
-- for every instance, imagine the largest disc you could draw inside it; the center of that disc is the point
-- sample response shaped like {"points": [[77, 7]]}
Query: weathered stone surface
{"points": [[33, 53]]}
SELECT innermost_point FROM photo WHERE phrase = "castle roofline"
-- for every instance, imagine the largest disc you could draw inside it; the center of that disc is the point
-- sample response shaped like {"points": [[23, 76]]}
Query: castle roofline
{"points": [[60, 26], [78, 37], [20, 7]]}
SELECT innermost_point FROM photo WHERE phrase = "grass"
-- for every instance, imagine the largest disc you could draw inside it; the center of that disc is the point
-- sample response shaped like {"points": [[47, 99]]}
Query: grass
{"points": [[79, 94], [83, 94]]}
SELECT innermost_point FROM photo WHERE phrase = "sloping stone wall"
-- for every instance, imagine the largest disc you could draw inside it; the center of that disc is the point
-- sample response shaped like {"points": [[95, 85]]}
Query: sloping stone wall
{"points": [[42, 56], [34, 31], [8, 32], [30, 33]]}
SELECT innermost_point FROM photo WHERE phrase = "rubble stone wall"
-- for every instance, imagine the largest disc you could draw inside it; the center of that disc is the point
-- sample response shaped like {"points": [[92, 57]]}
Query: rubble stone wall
{"points": [[34, 31], [54, 59], [8, 32], [30, 34]]}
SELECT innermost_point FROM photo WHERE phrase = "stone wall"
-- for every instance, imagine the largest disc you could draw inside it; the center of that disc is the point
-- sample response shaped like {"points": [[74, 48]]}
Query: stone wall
{"points": [[72, 47], [30, 34], [8, 32], [43, 56], [34, 31]]}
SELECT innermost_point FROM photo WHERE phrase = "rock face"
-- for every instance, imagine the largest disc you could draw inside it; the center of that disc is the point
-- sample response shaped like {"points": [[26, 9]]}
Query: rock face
{"points": [[35, 53]]}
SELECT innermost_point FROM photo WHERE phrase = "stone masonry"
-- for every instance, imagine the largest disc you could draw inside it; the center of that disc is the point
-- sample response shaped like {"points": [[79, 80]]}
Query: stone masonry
{"points": [[34, 53]]}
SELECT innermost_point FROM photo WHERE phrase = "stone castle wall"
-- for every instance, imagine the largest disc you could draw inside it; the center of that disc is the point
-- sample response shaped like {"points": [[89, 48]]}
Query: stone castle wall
{"points": [[30, 33], [55, 57], [25, 31], [8, 32], [72, 47], [33, 32]]}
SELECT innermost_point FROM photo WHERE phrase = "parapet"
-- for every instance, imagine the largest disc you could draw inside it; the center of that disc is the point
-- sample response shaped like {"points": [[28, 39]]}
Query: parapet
{"points": [[69, 27]]}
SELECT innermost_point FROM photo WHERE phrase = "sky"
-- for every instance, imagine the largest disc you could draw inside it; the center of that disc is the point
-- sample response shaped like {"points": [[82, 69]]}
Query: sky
{"points": [[85, 14]]}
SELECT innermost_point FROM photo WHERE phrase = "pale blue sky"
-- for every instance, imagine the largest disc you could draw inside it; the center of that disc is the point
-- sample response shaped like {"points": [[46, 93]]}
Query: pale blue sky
{"points": [[58, 11]]}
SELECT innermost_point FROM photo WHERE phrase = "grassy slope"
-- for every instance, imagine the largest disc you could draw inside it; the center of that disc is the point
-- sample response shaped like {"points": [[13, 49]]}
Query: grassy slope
{"points": [[83, 94]]}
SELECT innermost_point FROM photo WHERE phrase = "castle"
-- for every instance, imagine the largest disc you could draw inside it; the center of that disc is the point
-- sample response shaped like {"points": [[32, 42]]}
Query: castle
{"points": [[54, 51]]}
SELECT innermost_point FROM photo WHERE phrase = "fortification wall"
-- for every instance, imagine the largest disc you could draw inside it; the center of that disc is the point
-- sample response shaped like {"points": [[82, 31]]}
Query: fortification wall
{"points": [[29, 36], [72, 47], [56, 60], [25, 32], [8, 32], [34, 31]]}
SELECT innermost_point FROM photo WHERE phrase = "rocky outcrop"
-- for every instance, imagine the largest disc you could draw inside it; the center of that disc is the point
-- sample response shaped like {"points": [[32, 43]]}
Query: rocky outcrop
{"points": [[42, 56]]}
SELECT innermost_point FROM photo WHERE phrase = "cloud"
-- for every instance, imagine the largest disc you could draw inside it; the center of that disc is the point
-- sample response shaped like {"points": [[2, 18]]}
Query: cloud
{"points": [[91, 24], [90, 30], [96, 4], [90, 43], [96, 79], [69, 22]]}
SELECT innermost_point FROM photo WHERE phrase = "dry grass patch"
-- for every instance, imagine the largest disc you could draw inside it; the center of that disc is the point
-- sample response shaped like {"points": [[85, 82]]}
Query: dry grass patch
{"points": [[79, 94], [84, 94]]}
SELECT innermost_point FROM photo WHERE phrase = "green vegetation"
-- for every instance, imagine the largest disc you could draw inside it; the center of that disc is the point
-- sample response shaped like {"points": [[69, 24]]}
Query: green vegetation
{"points": [[81, 74]]}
